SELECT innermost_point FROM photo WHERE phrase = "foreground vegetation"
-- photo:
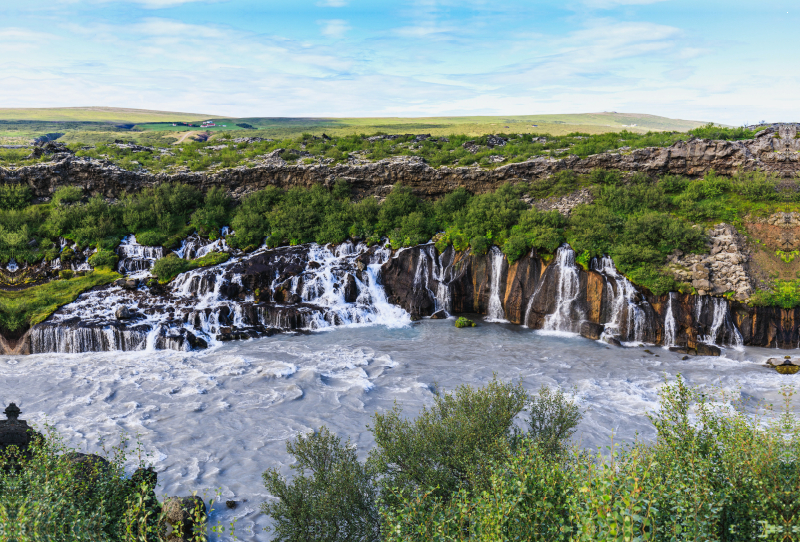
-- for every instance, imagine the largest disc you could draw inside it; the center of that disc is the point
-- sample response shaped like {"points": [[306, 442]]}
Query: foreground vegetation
{"points": [[464, 470], [454, 150], [50, 492]]}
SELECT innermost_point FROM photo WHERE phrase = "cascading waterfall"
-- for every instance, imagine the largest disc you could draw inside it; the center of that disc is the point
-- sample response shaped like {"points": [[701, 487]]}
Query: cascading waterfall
{"points": [[624, 309], [136, 258], [495, 311], [670, 326], [722, 326], [567, 291]]}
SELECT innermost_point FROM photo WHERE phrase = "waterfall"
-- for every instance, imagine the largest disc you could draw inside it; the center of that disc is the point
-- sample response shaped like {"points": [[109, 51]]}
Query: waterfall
{"points": [[567, 291], [670, 326], [68, 340], [136, 258], [723, 331], [331, 278], [495, 311], [12, 266], [624, 308]]}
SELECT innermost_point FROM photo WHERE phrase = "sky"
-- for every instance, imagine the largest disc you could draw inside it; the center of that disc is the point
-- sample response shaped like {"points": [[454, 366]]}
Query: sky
{"points": [[727, 61]]}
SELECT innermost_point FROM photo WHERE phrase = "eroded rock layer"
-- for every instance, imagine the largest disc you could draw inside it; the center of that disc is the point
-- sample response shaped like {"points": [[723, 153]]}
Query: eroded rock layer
{"points": [[774, 150]]}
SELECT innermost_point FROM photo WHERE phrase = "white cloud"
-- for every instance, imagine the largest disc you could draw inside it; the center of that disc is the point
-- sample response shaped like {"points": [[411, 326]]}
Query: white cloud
{"points": [[334, 28], [332, 3]]}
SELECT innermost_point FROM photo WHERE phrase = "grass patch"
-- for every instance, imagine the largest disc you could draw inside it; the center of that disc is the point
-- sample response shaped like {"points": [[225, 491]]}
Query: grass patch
{"points": [[23, 308], [170, 266]]}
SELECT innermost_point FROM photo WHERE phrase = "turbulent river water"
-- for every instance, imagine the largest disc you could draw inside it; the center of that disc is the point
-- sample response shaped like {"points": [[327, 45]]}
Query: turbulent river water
{"points": [[214, 420]]}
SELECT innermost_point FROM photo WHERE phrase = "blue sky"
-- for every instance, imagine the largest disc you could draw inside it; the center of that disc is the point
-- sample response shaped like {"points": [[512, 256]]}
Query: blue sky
{"points": [[727, 61]]}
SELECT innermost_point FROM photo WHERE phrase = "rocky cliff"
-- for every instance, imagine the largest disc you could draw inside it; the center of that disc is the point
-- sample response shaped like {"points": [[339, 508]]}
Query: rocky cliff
{"points": [[774, 150], [313, 287]]}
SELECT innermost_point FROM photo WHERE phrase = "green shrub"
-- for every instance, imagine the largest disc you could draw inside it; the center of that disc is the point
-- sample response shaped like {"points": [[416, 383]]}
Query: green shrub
{"points": [[151, 238], [515, 248], [67, 194], [479, 245], [52, 497], [14, 196], [169, 267], [439, 450], [332, 497], [714, 473], [464, 322], [104, 258], [66, 274]]}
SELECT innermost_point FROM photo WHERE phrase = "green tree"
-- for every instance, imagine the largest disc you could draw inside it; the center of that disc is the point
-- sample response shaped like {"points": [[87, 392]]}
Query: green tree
{"points": [[331, 498]]}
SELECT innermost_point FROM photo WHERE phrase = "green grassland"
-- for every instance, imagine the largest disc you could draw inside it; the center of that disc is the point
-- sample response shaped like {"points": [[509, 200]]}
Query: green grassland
{"points": [[592, 123], [93, 125], [97, 114]]}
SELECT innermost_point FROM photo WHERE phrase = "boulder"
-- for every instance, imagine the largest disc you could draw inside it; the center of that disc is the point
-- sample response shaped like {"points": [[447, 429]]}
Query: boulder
{"points": [[350, 289], [707, 350], [591, 330], [15, 432], [185, 516], [439, 315], [679, 349], [613, 341], [124, 313]]}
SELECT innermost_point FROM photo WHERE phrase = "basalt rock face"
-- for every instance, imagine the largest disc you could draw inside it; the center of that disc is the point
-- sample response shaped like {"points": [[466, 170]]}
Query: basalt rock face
{"points": [[557, 295], [312, 287], [773, 151]]}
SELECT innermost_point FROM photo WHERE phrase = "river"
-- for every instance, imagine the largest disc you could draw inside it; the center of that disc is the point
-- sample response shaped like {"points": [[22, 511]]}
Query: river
{"points": [[214, 420]]}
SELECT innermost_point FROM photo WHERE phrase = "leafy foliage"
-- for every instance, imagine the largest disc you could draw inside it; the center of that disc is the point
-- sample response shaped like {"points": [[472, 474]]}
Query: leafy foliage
{"points": [[332, 498]]}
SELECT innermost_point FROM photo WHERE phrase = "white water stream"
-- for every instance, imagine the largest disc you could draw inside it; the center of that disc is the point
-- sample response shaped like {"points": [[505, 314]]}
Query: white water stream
{"points": [[567, 292], [495, 310]]}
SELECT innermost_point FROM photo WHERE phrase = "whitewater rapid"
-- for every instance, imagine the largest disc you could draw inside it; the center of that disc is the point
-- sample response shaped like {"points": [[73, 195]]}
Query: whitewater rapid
{"points": [[216, 419]]}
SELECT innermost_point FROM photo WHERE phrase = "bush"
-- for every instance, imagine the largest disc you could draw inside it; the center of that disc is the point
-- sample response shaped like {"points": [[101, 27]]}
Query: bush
{"points": [[53, 497], [714, 473], [331, 498], [479, 245], [67, 194], [66, 274], [104, 258], [464, 322], [515, 248], [169, 267], [14, 196], [151, 238], [443, 449]]}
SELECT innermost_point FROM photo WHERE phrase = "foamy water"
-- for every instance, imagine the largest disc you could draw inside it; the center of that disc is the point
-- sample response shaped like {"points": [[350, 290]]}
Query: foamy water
{"points": [[215, 420]]}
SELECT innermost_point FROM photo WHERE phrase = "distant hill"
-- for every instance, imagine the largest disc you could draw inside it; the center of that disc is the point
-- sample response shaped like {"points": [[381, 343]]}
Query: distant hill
{"points": [[97, 114], [97, 124]]}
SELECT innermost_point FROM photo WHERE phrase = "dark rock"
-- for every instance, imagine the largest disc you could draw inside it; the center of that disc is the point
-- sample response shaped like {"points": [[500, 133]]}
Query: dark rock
{"points": [[350, 289], [230, 504], [707, 350], [591, 330], [679, 349], [684, 358], [613, 341], [495, 141], [186, 516], [15, 432], [90, 470], [124, 313], [130, 284], [439, 315]]}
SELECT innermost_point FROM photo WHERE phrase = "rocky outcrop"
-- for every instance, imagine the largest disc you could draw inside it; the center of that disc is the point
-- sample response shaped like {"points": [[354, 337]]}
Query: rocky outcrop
{"points": [[722, 270], [775, 152]]}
